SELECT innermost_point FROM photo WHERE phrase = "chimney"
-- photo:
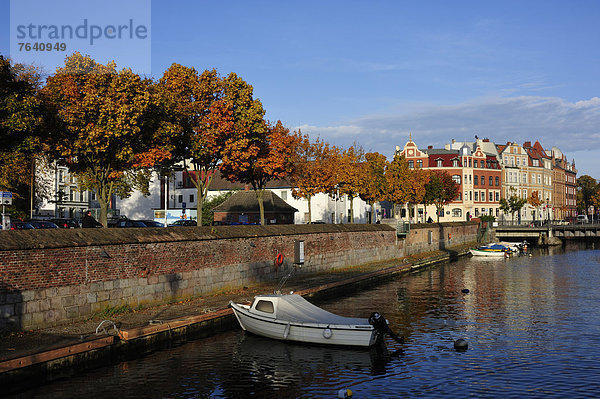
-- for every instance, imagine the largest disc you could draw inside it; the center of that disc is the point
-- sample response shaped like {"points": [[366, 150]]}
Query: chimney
{"points": [[486, 140], [527, 144], [429, 147]]}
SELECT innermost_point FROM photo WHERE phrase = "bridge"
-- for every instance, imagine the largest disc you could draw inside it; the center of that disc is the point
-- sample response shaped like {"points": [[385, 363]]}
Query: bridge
{"points": [[568, 232]]}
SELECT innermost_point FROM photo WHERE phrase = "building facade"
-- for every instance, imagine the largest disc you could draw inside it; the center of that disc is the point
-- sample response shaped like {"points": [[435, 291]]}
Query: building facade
{"points": [[476, 171]]}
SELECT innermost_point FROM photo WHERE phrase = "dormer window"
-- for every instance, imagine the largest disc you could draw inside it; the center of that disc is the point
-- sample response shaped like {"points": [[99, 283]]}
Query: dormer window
{"points": [[455, 163], [439, 163]]}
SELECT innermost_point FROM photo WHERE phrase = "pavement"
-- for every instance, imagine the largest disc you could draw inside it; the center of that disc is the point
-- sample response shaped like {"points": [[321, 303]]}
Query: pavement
{"points": [[16, 345]]}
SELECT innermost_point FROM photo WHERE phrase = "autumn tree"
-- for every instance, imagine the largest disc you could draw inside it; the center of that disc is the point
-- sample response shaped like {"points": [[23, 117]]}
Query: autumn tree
{"points": [[372, 183], [314, 171], [105, 130], [440, 190], [405, 185], [21, 126], [535, 200], [198, 120], [349, 174]]}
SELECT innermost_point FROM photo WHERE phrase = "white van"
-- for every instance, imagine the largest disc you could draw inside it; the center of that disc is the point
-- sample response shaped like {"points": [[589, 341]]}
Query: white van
{"points": [[582, 219]]}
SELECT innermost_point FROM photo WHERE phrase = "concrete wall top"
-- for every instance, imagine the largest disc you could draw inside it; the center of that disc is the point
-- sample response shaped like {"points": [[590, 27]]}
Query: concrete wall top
{"points": [[61, 238]]}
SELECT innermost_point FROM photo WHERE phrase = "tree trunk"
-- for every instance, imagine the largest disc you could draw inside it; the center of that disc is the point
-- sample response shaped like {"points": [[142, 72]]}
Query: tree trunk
{"points": [[309, 209], [199, 204], [261, 206], [351, 198]]}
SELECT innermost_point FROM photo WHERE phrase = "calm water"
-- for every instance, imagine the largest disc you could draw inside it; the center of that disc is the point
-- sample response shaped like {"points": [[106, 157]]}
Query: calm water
{"points": [[532, 325]]}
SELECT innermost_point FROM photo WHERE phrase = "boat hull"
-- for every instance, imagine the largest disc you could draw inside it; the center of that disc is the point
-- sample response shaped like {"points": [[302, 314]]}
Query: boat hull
{"points": [[315, 333], [490, 254]]}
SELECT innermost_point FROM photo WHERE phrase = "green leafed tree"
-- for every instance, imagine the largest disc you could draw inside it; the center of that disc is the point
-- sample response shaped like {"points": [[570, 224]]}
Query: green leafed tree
{"points": [[440, 190]]}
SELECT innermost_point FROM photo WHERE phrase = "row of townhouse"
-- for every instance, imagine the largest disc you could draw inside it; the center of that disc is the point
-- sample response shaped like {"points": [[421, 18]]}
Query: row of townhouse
{"points": [[487, 172]]}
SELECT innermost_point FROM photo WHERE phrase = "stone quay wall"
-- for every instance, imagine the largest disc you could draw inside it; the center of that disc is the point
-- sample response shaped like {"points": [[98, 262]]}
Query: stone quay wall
{"points": [[50, 277]]}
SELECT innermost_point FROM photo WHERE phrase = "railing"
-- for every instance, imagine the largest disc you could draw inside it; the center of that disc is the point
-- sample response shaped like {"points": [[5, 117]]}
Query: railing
{"points": [[402, 229]]}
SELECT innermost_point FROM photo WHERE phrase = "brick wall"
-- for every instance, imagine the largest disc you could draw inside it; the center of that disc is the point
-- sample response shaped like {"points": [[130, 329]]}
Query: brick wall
{"points": [[427, 237], [55, 276]]}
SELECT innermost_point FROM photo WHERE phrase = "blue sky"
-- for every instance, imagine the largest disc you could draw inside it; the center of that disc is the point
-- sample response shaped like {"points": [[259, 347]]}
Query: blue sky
{"points": [[371, 72]]}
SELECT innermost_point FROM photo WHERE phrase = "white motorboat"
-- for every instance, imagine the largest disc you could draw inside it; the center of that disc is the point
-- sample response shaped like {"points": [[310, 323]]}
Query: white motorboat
{"points": [[491, 250], [293, 318]]}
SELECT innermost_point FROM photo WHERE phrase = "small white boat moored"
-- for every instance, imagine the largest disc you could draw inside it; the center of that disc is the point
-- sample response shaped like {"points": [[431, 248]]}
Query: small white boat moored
{"points": [[293, 318]]}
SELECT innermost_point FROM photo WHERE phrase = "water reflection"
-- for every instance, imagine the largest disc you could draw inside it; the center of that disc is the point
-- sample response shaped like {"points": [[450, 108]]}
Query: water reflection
{"points": [[531, 324]]}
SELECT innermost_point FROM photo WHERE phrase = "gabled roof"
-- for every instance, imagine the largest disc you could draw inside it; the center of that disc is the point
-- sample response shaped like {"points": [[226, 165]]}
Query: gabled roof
{"points": [[246, 201], [220, 183]]}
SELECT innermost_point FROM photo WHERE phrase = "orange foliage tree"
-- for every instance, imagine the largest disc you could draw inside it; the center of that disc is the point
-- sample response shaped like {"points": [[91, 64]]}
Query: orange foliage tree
{"points": [[315, 170], [105, 130], [21, 126], [405, 185], [349, 174], [198, 121], [535, 201], [372, 183], [274, 161]]}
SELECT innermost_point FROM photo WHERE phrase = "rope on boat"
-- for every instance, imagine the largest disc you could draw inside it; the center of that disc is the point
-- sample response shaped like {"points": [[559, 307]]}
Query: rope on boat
{"points": [[284, 279]]}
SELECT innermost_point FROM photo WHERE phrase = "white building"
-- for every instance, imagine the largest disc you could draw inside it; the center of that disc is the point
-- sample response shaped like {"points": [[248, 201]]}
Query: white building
{"points": [[181, 199]]}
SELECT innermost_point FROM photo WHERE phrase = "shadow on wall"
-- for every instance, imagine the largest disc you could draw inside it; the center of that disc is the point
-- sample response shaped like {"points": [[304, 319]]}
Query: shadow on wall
{"points": [[12, 308]]}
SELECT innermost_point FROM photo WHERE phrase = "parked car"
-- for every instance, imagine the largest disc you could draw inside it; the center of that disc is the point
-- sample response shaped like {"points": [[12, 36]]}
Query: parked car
{"points": [[582, 219], [153, 223], [66, 223], [129, 223], [43, 224], [184, 223], [18, 225]]}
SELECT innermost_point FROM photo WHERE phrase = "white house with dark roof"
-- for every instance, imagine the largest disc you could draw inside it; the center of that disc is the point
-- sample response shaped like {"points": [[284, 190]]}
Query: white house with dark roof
{"points": [[176, 197]]}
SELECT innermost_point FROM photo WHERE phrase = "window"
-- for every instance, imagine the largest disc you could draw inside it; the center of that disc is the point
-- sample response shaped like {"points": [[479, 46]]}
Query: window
{"points": [[476, 211], [476, 195], [524, 178], [497, 196], [470, 196], [456, 212], [536, 162], [180, 198], [483, 196], [476, 180], [491, 211], [265, 306], [439, 163], [539, 179], [411, 164], [191, 198], [283, 195], [459, 197], [497, 181], [491, 180], [483, 180], [469, 162], [455, 163], [419, 163], [456, 179], [497, 212]]}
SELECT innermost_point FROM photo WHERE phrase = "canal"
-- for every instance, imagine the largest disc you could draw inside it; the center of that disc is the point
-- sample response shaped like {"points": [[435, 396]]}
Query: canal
{"points": [[532, 325]]}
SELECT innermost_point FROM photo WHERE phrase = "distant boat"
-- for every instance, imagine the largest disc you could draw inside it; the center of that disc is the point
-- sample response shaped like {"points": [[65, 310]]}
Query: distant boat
{"points": [[491, 250], [293, 318]]}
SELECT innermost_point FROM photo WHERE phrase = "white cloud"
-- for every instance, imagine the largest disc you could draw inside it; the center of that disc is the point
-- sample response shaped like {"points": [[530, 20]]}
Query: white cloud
{"points": [[572, 127]]}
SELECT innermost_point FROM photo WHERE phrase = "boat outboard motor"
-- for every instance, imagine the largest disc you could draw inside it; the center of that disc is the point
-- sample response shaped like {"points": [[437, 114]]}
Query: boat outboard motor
{"points": [[380, 325]]}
